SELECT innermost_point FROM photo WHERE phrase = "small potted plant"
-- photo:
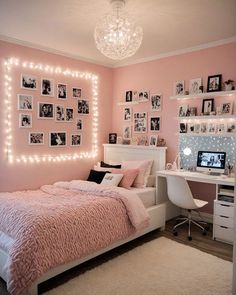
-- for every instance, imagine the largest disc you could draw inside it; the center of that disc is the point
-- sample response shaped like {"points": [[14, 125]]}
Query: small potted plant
{"points": [[229, 85]]}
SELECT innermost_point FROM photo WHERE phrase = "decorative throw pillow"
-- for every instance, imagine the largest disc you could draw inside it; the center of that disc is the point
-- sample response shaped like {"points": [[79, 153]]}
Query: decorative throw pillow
{"points": [[144, 167], [111, 179], [96, 176], [103, 164], [129, 176]]}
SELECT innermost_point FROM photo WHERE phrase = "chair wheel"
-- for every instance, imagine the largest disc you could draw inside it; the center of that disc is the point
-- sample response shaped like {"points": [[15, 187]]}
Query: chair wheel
{"points": [[190, 238], [207, 228], [175, 233], [204, 233]]}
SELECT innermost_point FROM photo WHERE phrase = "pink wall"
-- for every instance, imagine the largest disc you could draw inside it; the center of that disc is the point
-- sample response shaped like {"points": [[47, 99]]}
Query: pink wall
{"points": [[158, 76], [18, 176]]}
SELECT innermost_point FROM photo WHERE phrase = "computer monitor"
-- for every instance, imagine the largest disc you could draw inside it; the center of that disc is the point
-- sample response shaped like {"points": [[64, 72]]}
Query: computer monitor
{"points": [[211, 161]]}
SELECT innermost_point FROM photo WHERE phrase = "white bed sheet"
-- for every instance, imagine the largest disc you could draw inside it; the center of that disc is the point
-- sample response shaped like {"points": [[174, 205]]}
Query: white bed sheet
{"points": [[147, 195]]}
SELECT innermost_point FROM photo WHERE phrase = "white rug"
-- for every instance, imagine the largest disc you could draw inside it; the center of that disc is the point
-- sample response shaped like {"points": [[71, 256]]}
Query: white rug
{"points": [[159, 267]]}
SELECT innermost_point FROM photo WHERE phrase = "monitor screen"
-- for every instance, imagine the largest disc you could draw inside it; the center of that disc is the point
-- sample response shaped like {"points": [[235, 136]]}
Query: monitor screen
{"points": [[211, 161]]}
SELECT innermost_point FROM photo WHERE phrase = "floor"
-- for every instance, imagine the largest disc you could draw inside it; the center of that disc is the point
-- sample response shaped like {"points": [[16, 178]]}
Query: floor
{"points": [[204, 243]]}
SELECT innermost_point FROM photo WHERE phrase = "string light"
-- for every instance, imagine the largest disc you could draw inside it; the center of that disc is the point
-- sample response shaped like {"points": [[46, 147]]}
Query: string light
{"points": [[8, 144]]}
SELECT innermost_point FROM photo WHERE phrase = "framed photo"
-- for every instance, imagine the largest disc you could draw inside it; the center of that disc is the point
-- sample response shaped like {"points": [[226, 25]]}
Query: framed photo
{"points": [[57, 139], [61, 91], [142, 140], [25, 102], [192, 111], [140, 122], [211, 128], [69, 114], [127, 130], [45, 110], [207, 106], [128, 96], [183, 111], [195, 86], [156, 102], [220, 128], [77, 92], [226, 108], [75, 139], [112, 138], [143, 96], [47, 87], [79, 124], [28, 82], [197, 128], [154, 125], [153, 140], [36, 138], [183, 128], [179, 88], [135, 95], [83, 107], [190, 128], [203, 128], [25, 121], [127, 114], [60, 113], [231, 127], [214, 83]]}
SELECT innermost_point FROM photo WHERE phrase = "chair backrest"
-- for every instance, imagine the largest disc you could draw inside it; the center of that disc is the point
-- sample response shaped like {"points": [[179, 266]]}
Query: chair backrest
{"points": [[179, 192]]}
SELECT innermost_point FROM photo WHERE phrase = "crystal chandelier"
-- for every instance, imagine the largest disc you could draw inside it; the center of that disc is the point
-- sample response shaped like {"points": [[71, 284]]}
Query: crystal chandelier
{"points": [[116, 35]]}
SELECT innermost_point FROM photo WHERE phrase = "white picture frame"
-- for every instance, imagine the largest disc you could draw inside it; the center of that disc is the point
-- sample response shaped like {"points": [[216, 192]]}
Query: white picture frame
{"points": [[127, 114], [79, 124], [153, 140], [24, 102], [179, 88], [47, 87], [156, 102], [28, 82], [220, 128], [211, 128], [57, 138], [154, 123], [226, 108], [45, 110], [25, 120], [62, 91], [76, 92], [59, 113], [203, 128], [194, 86], [140, 122], [127, 132], [83, 106], [75, 139], [143, 95], [36, 138], [183, 110], [69, 113]]}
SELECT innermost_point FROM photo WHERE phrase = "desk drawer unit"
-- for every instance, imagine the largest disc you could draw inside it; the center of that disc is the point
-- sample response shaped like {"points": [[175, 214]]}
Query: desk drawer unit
{"points": [[223, 221]]}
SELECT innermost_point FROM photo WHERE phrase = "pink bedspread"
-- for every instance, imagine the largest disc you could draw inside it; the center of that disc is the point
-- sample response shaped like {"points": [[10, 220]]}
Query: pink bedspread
{"points": [[63, 222]]}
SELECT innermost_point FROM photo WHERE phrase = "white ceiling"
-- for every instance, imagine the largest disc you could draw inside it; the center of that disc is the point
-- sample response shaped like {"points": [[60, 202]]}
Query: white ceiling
{"points": [[66, 26]]}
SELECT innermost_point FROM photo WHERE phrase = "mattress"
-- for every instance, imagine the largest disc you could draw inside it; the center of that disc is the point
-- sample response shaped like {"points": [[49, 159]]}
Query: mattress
{"points": [[147, 195]]}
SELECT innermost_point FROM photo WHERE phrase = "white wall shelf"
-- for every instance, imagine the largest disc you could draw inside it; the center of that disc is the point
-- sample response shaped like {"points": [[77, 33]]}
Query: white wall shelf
{"points": [[223, 134], [127, 103], [207, 117], [205, 95]]}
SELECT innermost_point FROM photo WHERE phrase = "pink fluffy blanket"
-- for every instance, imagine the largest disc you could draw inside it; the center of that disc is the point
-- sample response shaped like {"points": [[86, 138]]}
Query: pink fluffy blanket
{"points": [[63, 222]]}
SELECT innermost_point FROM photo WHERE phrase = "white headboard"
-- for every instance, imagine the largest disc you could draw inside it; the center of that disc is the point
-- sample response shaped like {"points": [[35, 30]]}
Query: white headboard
{"points": [[116, 153]]}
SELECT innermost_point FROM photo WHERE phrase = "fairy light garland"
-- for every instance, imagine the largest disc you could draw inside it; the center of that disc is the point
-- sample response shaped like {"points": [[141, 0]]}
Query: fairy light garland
{"points": [[8, 144]]}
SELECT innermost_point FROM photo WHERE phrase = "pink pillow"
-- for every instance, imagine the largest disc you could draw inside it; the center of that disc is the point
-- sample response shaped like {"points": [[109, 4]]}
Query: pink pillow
{"points": [[144, 167], [129, 176]]}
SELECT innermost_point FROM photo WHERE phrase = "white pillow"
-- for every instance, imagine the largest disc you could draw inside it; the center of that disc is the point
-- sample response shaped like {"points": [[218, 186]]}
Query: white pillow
{"points": [[111, 179]]}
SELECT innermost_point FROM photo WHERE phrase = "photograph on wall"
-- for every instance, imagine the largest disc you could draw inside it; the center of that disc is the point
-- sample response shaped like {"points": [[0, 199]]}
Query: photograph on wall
{"points": [[128, 96], [220, 128], [57, 139], [135, 95], [211, 128], [112, 138], [79, 124], [143, 96], [69, 114], [192, 111], [183, 111], [214, 83], [197, 128], [25, 102], [77, 92], [153, 140], [154, 125], [60, 113], [47, 87], [231, 127], [203, 128], [25, 121], [190, 128], [127, 132], [28, 82], [45, 110], [83, 107], [179, 88], [156, 102], [195, 86], [183, 128], [226, 108], [140, 122], [127, 114], [207, 106], [36, 138], [75, 140], [61, 91]]}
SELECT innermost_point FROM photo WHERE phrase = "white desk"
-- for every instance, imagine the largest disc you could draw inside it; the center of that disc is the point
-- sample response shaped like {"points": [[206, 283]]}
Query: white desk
{"points": [[223, 211]]}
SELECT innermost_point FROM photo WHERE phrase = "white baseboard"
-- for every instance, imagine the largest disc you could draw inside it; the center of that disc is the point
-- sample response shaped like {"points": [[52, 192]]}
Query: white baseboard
{"points": [[203, 216]]}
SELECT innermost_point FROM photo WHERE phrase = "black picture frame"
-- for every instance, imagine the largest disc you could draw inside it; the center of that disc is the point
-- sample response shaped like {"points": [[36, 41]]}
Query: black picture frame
{"points": [[214, 83], [207, 105], [112, 138], [129, 96]]}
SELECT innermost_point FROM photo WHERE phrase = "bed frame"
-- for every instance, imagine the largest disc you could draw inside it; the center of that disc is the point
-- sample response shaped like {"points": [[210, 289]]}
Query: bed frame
{"points": [[113, 154]]}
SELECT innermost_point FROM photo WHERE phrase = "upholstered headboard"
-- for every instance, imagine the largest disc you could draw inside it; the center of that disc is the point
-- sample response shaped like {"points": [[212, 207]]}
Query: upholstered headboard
{"points": [[116, 153]]}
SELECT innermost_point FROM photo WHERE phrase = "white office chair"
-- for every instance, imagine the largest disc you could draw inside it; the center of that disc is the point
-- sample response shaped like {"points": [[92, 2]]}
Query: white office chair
{"points": [[180, 195]]}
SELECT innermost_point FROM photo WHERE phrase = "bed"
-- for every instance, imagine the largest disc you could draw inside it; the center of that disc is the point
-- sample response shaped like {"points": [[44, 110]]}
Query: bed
{"points": [[155, 212]]}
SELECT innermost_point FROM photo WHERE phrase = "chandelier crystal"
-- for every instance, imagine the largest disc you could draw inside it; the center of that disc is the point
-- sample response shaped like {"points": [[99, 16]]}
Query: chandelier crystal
{"points": [[116, 35]]}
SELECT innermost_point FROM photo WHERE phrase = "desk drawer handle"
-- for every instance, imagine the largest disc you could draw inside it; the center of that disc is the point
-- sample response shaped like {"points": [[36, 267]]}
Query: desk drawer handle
{"points": [[224, 216], [224, 205], [223, 226]]}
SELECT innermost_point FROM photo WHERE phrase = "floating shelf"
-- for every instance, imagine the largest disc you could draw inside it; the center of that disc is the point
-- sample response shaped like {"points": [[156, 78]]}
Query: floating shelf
{"points": [[207, 117], [205, 95], [127, 103], [225, 134]]}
